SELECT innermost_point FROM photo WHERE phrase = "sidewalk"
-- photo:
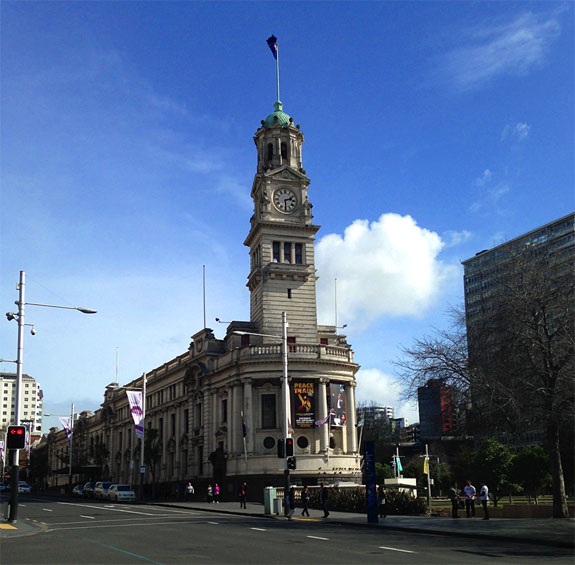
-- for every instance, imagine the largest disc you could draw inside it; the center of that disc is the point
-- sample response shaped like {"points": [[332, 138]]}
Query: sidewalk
{"points": [[556, 533]]}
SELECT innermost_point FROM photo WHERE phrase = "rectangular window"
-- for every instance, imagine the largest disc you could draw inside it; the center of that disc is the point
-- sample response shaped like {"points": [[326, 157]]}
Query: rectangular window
{"points": [[268, 411], [245, 340], [276, 252], [287, 252], [298, 254], [323, 340], [291, 344], [200, 460], [172, 425], [224, 410], [198, 423], [186, 421]]}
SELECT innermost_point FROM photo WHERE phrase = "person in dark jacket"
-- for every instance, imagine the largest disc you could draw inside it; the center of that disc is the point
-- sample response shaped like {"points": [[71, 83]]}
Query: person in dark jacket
{"points": [[305, 496], [323, 498]]}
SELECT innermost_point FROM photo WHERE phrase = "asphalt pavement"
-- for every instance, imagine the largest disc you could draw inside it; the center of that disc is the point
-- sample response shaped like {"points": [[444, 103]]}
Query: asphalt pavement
{"points": [[549, 532]]}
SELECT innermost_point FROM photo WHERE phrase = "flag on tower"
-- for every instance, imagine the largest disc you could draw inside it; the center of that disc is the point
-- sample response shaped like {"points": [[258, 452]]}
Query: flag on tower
{"points": [[273, 45]]}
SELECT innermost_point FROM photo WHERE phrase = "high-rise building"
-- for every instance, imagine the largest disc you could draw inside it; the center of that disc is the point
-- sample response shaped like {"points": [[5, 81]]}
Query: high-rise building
{"points": [[436, 410], [31, 402], [519, 307]]}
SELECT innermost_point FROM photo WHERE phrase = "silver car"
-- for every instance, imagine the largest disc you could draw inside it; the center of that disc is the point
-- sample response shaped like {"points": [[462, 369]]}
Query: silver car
{"points": [[121, 493]]}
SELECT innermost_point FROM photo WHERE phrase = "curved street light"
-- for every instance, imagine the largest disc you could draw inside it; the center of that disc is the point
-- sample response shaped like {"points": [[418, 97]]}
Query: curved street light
{"points": [[19, 317]]}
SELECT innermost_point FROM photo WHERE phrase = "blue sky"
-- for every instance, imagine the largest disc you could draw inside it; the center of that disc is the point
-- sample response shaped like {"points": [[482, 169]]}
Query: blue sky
{"points": [[433, 130]]}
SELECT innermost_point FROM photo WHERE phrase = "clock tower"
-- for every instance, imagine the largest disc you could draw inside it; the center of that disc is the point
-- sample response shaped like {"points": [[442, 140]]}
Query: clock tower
{"points": [[281, 238]]}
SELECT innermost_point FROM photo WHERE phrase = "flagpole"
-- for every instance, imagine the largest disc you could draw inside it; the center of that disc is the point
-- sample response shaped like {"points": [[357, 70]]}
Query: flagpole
{"points": [[71, 444], [428, 477], [143, 434], [278, 72]]}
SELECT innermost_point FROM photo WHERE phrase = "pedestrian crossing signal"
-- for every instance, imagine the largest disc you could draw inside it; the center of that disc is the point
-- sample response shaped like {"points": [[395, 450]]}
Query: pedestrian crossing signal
{"points": [[291, 463], [16, 437]]}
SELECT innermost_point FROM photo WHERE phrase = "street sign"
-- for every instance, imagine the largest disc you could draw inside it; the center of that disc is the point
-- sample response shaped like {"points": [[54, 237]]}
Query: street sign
{"points": [[142, 469]]}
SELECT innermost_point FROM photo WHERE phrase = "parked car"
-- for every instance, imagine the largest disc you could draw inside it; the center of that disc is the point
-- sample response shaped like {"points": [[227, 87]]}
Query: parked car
{"points": [[24, 488], [101, 489], [121, 493], [78, 490], [88, 490]]}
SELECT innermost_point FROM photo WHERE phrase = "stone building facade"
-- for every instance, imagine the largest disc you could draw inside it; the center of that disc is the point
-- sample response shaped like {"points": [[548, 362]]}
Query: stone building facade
{"points": [[218, 407]]}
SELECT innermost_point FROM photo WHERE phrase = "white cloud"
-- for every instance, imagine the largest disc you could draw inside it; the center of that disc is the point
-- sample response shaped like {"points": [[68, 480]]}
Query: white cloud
{"points": [[388, 267], [454, 238], [376, 386], [518, 132], [497, 49], [483, 179]]}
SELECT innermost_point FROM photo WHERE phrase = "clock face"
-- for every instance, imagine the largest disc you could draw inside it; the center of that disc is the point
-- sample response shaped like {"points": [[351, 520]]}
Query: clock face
{"points": [[285, 200]]}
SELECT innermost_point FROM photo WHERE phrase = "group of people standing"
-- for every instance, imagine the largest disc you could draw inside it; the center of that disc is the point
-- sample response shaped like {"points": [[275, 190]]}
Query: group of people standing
{"points": [[214, 493], [468, 496]]}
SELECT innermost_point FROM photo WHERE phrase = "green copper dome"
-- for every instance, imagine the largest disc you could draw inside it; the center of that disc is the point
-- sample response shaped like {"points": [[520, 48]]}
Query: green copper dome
{"points": [[277, 118]]}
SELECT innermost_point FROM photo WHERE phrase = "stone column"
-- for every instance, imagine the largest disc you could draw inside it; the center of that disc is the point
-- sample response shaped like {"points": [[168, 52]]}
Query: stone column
{"points": [[323, 412], [236, 418], [351, 417], [248, 414]]}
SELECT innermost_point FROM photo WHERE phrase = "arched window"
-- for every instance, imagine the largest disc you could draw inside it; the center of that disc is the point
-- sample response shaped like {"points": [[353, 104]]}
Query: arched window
{"points": [[270, 151], [284, 151]]}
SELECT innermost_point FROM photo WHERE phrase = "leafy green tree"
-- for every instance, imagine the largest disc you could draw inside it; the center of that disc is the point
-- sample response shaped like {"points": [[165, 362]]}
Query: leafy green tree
{"points": [[383, 471], [493, 463], [531, 470]]}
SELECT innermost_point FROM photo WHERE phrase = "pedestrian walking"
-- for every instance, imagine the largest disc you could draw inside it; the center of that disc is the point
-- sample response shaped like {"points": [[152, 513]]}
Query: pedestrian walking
{"points": [[305, 497], [210, 494], [243, 495], [324, 499], [484, 498], [217, 493], [381, 502], [290, 502], [189, 491], [454, 497], [470, 492]]}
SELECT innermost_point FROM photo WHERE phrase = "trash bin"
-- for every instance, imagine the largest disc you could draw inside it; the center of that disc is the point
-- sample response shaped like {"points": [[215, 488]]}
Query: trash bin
{"points": [[269, 497]]}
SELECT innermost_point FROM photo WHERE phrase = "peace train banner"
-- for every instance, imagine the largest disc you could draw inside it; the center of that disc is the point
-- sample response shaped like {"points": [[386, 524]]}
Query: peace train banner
{"points": [[135, 400], [304, 404]]}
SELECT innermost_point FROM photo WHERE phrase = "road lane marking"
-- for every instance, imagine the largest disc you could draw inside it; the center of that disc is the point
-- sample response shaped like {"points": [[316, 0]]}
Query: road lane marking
{"points": [[214, 523], [7, 527], [95, 526], [47, 510], [259, 529], [126, 552], [395, 549], [317, 537], [113, 509], [90, 517], [103, 520]]}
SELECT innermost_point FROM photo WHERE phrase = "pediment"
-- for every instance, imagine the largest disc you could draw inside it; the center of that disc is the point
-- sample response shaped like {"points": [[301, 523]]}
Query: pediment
{"points": [[285, 173]]}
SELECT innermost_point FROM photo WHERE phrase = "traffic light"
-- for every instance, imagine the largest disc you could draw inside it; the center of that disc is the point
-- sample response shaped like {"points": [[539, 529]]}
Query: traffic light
{"points": [[281, 448], [291, 463], [289, 446], [16, 437]]}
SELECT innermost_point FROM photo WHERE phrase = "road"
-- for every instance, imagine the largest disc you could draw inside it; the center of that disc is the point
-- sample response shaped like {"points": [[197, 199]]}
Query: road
{"points": [[97, 532]]}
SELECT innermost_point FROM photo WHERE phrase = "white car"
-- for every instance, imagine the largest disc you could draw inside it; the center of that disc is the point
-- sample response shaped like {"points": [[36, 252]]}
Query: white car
{"points": [[121, 493], [24, 488]]}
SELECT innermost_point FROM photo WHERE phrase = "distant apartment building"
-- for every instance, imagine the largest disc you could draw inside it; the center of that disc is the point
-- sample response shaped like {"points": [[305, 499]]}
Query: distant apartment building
{"points": [[372, 414], [437, 417], [31, 402]]}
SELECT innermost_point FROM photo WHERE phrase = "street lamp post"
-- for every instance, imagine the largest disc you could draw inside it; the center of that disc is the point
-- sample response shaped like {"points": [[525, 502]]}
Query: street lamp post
{"points": [[21, 303], [285, 395]]}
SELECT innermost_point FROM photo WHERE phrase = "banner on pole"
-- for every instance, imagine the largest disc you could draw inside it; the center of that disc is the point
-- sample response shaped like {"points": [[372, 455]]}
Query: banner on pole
{"points": [[66, 424], [135, 400], [304, 402]]}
